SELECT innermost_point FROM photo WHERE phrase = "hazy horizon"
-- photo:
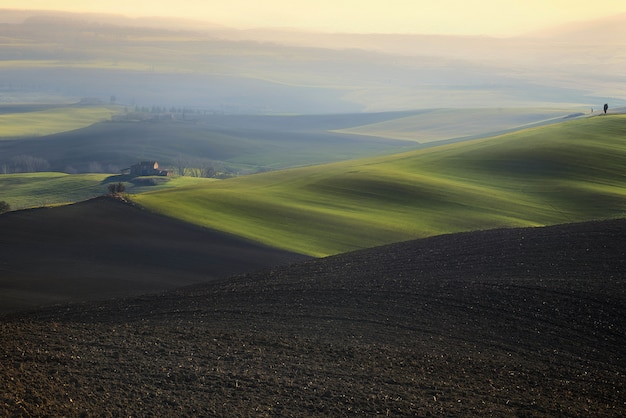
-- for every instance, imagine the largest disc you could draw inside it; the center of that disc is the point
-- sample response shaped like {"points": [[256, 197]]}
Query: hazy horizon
{"points": [[453, 17], [168, 62]]}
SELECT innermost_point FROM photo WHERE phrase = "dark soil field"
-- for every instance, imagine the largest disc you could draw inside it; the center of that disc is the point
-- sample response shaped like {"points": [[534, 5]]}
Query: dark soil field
{"points": [[519, 322], [105, 248]]}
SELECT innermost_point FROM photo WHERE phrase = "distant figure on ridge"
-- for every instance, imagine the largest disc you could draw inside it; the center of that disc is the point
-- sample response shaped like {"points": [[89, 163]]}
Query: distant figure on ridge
{"points": [[606, 107]]}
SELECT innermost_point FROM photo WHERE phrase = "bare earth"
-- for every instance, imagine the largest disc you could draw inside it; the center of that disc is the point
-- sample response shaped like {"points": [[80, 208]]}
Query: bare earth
{"points": [[104, 248], [519, 322]]}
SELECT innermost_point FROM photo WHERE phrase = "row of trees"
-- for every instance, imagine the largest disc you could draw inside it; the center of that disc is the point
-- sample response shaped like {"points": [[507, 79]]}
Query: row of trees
{"points": [[30, 164], [173, 109], [184, 166], [24, 164]]}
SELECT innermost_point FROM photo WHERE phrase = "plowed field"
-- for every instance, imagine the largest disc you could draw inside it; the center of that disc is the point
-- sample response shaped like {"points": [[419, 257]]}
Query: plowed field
{"points": [[519, 322]]}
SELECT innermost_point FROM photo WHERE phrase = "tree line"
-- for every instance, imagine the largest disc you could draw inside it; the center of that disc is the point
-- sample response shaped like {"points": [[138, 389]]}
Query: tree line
{"points": [[24, 164]]}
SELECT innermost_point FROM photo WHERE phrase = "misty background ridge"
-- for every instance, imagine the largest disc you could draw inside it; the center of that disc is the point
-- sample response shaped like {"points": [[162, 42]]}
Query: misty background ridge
{"points": [[143, 62]]}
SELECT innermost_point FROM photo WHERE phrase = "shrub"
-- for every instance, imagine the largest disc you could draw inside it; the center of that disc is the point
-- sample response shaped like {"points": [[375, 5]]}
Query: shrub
{"points": [[116, 188], [4, 206]]}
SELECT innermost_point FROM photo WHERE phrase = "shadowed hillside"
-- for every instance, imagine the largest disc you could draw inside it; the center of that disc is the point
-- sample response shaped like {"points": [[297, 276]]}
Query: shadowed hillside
{"points": [[104, 248], [235, 144], [508, 322]]}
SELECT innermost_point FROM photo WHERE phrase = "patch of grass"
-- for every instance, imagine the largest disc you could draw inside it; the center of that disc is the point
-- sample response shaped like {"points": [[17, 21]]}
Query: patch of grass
{"points": [[27, 190], [51, 121], [567, 172], [44, 189]]}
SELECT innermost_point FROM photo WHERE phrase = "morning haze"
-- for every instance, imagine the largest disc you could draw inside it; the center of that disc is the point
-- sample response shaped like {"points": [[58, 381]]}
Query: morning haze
{"points": [[312, 208], [179, 63], [482, 17]]}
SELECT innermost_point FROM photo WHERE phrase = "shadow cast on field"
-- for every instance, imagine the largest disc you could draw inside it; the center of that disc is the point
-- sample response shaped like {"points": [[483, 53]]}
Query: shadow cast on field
{"points": [[107, 248]]}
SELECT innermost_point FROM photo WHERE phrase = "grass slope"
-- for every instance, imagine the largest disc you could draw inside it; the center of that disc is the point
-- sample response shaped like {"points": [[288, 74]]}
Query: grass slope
{"points": [[52, 121], [27, 190], [559, 173]]}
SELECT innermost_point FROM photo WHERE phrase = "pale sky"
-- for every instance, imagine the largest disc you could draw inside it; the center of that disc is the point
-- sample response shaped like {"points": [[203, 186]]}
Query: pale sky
{"points": [[467, 17]]}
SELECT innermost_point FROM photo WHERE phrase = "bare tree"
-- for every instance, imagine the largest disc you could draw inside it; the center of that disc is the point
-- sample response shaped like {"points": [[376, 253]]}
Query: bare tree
{"points": [[202, 168], [29, 164], [95, 167], [207, 170], [181, 164], [193, 171]]}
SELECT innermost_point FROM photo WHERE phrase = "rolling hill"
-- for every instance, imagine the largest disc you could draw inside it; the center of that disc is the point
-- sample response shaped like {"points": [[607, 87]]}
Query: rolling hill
{"points": [[19, 121], [237, 143], [103, 248], [33, 190], [509, 322], [229, 144], [572, 171], [234, 144]]}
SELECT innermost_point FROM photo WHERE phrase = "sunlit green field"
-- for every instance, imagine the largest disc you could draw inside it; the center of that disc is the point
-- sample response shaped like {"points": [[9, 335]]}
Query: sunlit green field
{"points": [[51, 121], [27, 190], [41, 189], [566, 172]]}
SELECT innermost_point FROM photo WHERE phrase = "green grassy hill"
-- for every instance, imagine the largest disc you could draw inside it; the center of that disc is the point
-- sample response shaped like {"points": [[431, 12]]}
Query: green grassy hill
{"points": [[566, 172], [25, 121], [27, 190]]}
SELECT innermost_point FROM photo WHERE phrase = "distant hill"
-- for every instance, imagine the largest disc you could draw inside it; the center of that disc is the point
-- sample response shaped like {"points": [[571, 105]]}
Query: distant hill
{"points": [[608, 30], [509, 322], [461, 124], [104, 248], [242, 144], [149, 63], [237, 144]]}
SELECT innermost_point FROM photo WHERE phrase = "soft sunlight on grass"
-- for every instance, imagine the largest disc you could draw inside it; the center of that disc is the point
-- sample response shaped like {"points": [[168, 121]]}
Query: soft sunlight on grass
{"points": [[43, 189], [566, 172], [52, 121], [27, 190], [560, 173]]}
